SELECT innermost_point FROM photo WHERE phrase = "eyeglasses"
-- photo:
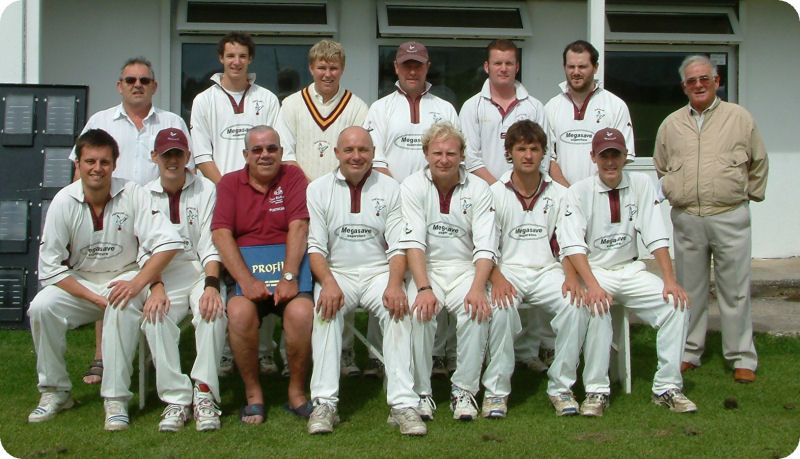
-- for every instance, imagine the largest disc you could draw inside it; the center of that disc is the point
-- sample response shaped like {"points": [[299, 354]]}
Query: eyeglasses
{"points": [[132, 80], [258, 149], [704, 80]]}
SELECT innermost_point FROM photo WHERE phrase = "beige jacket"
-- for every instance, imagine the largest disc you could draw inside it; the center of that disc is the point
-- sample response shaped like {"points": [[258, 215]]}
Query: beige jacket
{"points": [[711, 171]]}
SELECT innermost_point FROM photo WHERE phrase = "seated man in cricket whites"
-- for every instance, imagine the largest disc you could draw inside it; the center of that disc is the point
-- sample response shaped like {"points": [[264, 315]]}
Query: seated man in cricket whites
{"points": [[451, 240], [96, 231], [355, 225], [191, 280], [264, 203], [527, 208], [601, 218]]}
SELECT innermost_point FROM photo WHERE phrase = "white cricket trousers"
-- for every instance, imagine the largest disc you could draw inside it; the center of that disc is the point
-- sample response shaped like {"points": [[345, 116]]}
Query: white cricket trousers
{"points": [[633, 287], [451, 284], [364, 288], [53, 311], [541, 289], [184, 284]]}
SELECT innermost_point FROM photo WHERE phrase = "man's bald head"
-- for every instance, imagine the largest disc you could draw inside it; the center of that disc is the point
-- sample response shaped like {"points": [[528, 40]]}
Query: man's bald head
{"points": [[355, 152]]}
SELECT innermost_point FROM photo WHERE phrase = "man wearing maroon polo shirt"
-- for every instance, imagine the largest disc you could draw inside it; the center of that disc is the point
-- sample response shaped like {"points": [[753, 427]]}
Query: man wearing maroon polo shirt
{"points": [[265, 203]]}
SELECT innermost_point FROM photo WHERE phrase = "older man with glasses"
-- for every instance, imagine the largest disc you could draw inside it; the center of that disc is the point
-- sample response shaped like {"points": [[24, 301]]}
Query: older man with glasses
{"points": [[713, 163]]}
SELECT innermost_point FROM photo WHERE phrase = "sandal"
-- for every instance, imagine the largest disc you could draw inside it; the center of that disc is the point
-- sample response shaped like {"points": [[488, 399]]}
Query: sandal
{"points": [[303, 411], [95, 370], [256, 409]]}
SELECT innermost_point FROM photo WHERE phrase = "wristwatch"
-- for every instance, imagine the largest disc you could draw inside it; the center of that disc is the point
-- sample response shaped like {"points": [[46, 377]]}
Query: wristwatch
{"points": [[287, 276]]}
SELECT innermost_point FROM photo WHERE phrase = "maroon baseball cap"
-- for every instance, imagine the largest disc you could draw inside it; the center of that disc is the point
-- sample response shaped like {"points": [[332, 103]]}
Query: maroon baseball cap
{"points": [[608, 138], [411, 51], [170, 139]]}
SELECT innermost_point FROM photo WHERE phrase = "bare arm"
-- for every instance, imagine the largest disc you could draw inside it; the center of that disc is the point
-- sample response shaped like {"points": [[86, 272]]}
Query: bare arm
{"points": [[503, 291], [210, 171], [557, 175], [70, 285], [572, 284], [296, 244], [394, 297], [252, 288], [671, 287], [598, 300], [122, 291], [425, 304], [211, 306], [475, 302], [485, 175], [331, 298]]}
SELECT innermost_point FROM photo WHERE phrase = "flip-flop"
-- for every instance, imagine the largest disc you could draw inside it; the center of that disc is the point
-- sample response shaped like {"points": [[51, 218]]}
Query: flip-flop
{"points": [[95, 369], [304, 410], [256, 409]]}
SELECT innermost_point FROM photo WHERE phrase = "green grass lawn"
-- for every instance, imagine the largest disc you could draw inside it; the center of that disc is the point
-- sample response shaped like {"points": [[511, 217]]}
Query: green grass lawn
{"points": [[765, 424]]}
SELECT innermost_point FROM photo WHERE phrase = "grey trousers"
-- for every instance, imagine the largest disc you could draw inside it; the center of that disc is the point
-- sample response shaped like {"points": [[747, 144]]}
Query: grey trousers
{"points": [[725, 237]]}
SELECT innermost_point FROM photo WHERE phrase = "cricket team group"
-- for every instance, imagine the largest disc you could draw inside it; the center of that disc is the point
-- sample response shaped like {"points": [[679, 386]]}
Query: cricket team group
{"points": [[477, 240]]}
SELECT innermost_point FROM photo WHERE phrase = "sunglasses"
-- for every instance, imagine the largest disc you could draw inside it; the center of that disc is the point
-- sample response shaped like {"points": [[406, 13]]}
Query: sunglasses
{"points": [[132, 80], [258, 149], [704, 80]]}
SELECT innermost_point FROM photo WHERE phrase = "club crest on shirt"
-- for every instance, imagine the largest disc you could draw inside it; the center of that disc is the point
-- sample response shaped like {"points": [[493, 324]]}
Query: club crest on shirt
{"points": [[437, 117], [258, 105], [612, 241], [445, 230], [191, 215], [119, 219], [379, 204], [321, 146], [548, 204], [599, 114], [466, 204], [633, 210], [277, 197]]}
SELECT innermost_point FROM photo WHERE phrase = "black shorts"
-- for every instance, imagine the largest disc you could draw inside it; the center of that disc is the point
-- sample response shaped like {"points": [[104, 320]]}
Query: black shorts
{"points": [[268, 306]]}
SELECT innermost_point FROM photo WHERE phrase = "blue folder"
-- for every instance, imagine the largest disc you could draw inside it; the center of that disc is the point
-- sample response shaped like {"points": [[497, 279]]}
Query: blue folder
{"points": [[265, 262]]}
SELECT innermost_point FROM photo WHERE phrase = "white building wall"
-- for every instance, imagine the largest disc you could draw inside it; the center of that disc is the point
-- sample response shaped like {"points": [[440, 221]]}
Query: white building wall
{"points": [[12, 41], [85, 42]]}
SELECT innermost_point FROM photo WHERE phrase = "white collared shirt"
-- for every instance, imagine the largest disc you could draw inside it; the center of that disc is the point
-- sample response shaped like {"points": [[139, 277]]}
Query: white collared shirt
{"points": [[134, 161]]}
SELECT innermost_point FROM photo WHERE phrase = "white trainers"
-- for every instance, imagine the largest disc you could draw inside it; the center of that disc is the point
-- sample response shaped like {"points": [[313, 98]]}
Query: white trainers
{"points": [[676, 401], [565, 404], [348, 365], [463, 404], [534, 363], [174, 417], [266, 365], [323, 419], [206, 412], [426, 407], [594, 404], [225, 366], [116, 414], [50, 403], [408, 420], [494, 407]]}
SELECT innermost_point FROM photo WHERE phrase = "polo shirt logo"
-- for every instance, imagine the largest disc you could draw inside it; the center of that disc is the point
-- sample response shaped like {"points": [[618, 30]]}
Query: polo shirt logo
{"points": [[234, 132], [101, 250], [577, 137], [277, 197], [612, 241], [119, 219], [599, 114], [355, 233], [527, 232], [409, 141], [445, 230], [379, 204], [191, 215]]}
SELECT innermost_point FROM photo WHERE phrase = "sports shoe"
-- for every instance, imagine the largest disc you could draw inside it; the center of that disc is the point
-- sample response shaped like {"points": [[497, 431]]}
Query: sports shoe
{"points": [[348, 365], [375, 369], [174, 417], [565, 404], [225, 366], [50, 403], [534, 363], [116, 414], [426, 407], [463, 404], [439, 368], [206, 412], [266, 365], [676, 401], [594, 404], [323, 419], [547, 355], [494, 406], [408, 420]]}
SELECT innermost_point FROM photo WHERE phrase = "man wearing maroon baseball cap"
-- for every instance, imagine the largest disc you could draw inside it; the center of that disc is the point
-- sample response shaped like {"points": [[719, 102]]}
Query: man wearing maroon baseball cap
{"points": [[603, 217], [190, 283]]}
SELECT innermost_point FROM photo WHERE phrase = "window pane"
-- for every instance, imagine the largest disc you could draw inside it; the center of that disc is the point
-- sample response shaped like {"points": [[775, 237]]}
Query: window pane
{"points": [[714, 23], [255, 13], [283, 69], [429, 16], [456, 73], [649, 83]]}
